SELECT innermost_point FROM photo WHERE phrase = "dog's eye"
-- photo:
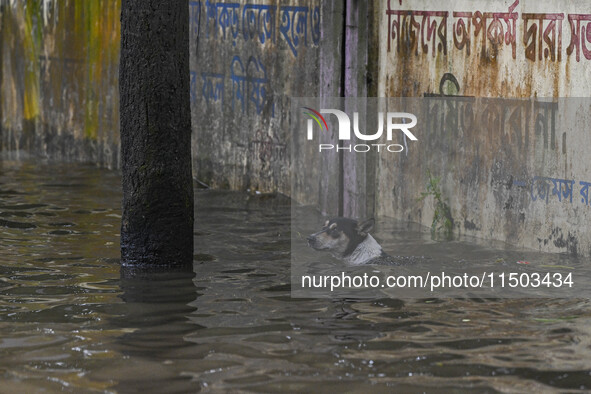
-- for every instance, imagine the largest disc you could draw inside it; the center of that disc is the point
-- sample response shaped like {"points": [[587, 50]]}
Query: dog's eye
{"points": [[334, 233]]}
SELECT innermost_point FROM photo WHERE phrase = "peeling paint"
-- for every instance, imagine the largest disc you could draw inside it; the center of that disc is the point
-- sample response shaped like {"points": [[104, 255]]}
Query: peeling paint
{"points": [[489, 170], [59, 79], [59, 99]]}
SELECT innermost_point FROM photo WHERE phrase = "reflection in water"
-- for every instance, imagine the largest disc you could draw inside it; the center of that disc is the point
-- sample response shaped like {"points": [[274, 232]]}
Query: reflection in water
{"points": [[70, 320], [155, 314]]}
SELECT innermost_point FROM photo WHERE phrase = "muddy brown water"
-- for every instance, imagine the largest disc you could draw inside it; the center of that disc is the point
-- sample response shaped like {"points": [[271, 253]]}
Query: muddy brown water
{"points": [[69, 322]]}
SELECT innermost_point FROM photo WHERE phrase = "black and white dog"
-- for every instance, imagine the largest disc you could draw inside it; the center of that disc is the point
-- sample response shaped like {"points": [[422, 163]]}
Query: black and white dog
{"points": [[350, 241]]}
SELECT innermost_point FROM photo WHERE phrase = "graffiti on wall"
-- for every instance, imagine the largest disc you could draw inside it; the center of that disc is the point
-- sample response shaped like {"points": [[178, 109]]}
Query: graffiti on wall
{"points": [[535, 36], [516, 119], [296, 26], [244, 80], [267, 148], [247, 56], [249, 84], [546, 189]]}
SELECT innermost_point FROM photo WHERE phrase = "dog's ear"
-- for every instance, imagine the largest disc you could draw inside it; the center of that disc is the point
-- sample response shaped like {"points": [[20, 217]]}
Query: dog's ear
{"points": [[363, 228]]}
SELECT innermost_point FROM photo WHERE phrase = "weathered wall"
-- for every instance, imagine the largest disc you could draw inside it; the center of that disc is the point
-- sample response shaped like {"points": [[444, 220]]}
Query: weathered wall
{"points": [[59, 65], [58, 84], [502, 48], [59, 69], [513, 170], [247, 58]]}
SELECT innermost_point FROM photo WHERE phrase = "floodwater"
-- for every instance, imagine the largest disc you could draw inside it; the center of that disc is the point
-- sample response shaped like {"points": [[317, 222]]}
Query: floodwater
{"points": [[71, 322]]}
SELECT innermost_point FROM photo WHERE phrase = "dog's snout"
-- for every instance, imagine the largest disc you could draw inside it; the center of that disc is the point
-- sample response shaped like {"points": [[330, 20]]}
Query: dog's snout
{"points": [[312, 241]]}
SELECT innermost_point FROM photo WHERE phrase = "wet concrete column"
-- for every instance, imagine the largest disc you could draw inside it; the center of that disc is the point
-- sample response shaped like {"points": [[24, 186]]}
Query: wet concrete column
{"points": [[354, 186], [155, 119], [331, 85]]}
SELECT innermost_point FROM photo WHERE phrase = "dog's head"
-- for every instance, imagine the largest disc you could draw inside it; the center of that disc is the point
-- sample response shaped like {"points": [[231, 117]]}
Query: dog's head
{"points": [[340, 236]]}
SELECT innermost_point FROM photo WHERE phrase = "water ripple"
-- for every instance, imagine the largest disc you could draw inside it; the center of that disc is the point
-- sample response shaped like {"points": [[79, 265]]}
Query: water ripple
{"points": [[70, 320]]}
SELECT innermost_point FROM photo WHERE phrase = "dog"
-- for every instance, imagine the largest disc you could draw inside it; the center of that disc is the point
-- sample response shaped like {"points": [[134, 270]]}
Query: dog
{"points": [[350, 241]]}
